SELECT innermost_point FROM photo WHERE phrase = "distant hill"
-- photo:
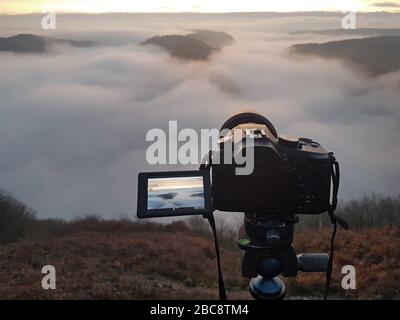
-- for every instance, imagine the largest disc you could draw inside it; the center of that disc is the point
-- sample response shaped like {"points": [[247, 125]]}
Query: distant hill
{"points": [[367, 32], [198, 45], [375, 55], [214, 39], [30, 43]]}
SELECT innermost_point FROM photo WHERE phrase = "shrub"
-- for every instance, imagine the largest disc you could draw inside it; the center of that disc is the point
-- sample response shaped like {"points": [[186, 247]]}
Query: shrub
{"points": [[16, 219]]}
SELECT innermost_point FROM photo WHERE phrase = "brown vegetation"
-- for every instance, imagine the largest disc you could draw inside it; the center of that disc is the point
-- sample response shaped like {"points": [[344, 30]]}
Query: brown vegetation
{"points": [[123, 259]]}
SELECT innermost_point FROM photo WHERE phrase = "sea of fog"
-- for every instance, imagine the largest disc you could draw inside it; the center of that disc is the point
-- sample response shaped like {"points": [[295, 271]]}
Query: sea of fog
{"points": [[176, 199], [73, 121]]}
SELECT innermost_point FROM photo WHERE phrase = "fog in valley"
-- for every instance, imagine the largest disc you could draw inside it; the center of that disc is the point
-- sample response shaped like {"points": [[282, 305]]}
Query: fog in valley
{"points": [[73, 120]]}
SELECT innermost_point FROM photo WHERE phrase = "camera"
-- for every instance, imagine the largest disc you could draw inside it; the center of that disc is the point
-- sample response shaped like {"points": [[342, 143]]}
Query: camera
{"points": [[290, 175]]}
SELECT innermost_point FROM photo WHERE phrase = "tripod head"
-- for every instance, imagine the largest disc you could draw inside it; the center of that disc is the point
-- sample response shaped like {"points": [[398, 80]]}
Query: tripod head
{"points": [[267, 244]]}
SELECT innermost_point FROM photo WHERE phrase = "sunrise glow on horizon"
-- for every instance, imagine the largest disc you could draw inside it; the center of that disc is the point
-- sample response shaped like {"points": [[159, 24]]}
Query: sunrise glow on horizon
{"points": [[102, 6]]}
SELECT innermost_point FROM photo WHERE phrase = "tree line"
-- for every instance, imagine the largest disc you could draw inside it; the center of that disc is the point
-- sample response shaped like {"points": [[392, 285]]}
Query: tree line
{"points": [[18, 221]]}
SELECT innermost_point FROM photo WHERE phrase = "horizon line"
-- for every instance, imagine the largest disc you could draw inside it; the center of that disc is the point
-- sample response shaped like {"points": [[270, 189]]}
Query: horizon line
{"points": [[198, 12]]}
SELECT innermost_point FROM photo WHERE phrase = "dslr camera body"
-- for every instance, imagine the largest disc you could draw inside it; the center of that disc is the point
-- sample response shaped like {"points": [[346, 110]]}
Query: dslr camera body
{"points": [[290, 175]]}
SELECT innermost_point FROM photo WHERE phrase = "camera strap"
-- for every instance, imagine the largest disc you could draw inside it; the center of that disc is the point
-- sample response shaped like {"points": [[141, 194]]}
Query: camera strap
{"points": [[335, 174], [221, 284], [206, 166]]}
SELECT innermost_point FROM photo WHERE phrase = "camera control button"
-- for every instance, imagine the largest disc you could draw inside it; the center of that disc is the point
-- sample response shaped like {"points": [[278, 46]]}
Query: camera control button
{"points": [[288, 141]]}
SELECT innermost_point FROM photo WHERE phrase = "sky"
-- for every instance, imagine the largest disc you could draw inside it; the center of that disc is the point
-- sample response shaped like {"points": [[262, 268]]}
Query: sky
{"points": [[95, 6], [176, 183]]}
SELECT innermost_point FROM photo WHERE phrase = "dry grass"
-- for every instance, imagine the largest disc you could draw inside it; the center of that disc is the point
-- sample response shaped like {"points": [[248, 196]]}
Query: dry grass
{"points": [[375, 253], [118, 260]]}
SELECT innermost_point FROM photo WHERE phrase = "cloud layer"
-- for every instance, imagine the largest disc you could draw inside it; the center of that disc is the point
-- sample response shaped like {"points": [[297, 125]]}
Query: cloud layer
{"points": [[73, 122]]}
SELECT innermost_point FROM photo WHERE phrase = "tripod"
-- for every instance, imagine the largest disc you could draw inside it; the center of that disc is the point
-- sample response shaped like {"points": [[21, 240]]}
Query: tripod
{"points": [[266, 241]]}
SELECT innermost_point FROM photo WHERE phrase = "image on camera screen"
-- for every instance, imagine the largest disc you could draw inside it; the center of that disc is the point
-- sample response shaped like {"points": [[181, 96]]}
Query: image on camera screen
{"points": [[175, 193]]}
